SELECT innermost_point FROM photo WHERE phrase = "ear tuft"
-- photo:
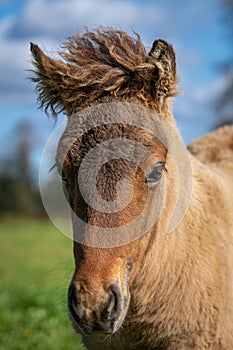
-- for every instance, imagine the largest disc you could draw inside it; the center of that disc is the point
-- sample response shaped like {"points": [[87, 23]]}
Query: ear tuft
{"points": [[42, 62], [34, 48], [162, 52], [162, 57], [48, 75]]}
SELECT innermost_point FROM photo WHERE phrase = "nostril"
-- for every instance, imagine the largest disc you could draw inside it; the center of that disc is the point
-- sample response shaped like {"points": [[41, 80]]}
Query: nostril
{"points": [[113, 306], [72, 301]]}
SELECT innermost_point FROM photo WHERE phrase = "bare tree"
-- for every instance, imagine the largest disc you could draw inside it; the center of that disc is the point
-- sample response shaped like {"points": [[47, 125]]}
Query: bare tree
{"points": [[19, 194]]}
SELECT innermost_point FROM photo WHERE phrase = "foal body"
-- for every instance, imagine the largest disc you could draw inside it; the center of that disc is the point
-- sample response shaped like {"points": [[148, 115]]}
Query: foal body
{"points": [[160, 291]]}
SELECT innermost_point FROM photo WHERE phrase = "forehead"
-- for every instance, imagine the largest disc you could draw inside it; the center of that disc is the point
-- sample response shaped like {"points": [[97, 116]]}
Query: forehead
{"points": [[108, 142], [121, 130]]}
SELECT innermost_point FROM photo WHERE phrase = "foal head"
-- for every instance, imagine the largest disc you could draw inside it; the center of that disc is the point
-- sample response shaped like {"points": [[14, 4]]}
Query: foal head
{"points": [[112, 168]]}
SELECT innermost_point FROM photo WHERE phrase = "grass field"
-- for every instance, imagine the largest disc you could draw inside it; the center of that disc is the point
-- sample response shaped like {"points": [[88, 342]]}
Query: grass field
{"points": [[35, 269]]}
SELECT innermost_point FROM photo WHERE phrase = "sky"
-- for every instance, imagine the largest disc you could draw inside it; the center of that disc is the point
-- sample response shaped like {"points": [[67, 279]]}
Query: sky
{"points": [[196, 30]]}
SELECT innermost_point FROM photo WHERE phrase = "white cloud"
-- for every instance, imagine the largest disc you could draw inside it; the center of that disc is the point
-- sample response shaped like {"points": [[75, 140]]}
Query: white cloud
{"points": [[208, 92], [13, 62], [41, 17], [44, 21], [186, 24]]}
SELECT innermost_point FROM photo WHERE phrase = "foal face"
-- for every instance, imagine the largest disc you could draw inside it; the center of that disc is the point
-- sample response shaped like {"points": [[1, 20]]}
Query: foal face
{"points": [[96, 67], [99, 292]]}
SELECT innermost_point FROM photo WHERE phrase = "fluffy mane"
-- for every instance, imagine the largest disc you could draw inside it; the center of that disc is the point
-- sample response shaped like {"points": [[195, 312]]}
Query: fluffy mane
{"points": [[102, 63]]}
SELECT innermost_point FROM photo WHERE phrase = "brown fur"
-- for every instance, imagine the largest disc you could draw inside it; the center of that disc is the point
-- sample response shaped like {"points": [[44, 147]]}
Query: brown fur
{"points": [[102, 63], [179, 293]]}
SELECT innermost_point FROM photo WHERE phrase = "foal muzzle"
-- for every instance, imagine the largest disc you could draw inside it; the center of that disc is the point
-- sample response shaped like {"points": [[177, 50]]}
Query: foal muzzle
{"points": [[104, 316]]}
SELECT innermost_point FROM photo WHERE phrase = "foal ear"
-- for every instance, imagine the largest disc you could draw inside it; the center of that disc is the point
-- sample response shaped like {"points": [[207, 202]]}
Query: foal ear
{"points": [[48, 76], [162, 57]]}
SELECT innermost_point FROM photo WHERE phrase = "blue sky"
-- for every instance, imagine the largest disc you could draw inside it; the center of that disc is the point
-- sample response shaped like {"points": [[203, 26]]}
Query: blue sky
{"points": [[195, 28]]}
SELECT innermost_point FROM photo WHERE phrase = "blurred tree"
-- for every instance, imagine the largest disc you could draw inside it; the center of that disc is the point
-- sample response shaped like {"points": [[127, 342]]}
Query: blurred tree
{"points": [[224, 105], [18, 193]]}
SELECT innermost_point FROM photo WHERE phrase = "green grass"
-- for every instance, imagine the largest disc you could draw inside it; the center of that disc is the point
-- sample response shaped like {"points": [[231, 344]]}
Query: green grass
{"points": [[36, 266]]}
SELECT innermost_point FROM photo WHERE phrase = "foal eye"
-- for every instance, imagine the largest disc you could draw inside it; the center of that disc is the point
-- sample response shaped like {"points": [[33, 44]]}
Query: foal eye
{"points": [[64, 177], [60, 172], [156, 174]]}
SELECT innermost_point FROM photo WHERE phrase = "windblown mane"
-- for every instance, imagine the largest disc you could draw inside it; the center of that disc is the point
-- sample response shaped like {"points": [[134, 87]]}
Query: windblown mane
{"points": [[103, 63]]}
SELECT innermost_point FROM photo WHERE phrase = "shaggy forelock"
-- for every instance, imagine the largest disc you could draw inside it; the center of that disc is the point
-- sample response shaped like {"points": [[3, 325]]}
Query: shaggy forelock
{"points": [[102, 63], [105, 63]]}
